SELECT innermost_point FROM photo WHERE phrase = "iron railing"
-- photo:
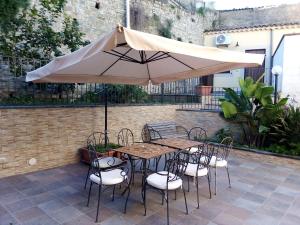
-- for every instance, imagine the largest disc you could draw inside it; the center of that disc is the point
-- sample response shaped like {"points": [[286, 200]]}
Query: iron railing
{"points": [[208, 100], [14, 91]]}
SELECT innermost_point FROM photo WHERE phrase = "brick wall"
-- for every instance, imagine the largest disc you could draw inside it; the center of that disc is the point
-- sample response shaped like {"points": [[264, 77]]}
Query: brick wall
{"points": [[53, 135]]}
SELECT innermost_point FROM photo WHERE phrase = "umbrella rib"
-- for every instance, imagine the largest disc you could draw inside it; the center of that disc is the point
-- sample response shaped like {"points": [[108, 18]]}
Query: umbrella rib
{"points": [[125, 56], [158, 58], [156, 55], [118, 54], [116, 61], [147, 65], [180, 61]]}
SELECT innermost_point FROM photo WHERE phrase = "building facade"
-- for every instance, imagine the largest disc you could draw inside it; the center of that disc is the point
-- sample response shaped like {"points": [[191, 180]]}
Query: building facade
{"points": [[261, 39]]}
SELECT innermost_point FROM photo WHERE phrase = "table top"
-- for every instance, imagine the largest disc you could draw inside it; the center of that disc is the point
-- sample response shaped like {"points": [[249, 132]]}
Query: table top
{"points": [[145, 150], [178, 143]]}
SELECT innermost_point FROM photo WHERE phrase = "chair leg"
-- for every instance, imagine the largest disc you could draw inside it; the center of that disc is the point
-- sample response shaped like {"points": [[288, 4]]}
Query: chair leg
{"points": [[227, 169], [215, 180], [127, 197], [175, 195], [113, 194], [87, 177], [197, 187], [208, 180], [89, 194], [162, 197], [145, 207], [186, 208], [168, 216], [99, 195], [188, 181]]}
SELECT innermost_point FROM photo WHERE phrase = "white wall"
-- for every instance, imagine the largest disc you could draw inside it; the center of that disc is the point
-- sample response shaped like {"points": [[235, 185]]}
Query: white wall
{"points": [[290, 78], [249, 39]]}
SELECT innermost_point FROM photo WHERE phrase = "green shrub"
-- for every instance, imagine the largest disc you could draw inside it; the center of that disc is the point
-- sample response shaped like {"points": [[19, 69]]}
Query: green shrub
{"points": [[253, 110]]}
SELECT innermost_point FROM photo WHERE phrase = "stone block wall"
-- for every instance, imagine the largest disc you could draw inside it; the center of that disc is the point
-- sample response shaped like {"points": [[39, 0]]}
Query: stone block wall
{"points": [[259, 16], [95, 22], [53, 135]]}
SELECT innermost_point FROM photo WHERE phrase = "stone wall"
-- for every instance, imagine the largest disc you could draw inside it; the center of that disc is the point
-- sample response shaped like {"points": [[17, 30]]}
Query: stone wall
{"points": [[94, 22], [259, 16], [53, 135]]}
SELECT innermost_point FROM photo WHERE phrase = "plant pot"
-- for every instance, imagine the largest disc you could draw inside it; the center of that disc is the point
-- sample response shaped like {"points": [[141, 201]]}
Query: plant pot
{"points": [[85, 158], [203, 90]]}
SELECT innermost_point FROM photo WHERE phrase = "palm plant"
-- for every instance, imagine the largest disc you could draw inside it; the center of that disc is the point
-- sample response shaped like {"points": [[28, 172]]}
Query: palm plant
{"points": [[253, 109]]}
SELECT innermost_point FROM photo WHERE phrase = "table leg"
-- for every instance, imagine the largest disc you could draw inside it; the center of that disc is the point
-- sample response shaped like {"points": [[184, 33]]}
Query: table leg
{"points": [[144, 177]]}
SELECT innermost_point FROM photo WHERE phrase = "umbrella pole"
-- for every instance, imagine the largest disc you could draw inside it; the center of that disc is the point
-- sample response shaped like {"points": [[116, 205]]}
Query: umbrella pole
{"points": [[105, 115]]}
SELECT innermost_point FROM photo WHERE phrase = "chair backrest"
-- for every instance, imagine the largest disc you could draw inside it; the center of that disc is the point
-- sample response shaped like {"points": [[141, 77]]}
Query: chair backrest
{"points": [[177, 166], [95, 140], [125, 137], [223, 149], [197, 134], [203, 156]]}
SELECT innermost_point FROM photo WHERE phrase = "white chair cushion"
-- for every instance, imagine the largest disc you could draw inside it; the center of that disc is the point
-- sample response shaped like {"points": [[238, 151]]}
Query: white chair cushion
{"points": [[217, 162], [160, 181], [191, 170], [193, 150], [108, 162], [110, 177]]}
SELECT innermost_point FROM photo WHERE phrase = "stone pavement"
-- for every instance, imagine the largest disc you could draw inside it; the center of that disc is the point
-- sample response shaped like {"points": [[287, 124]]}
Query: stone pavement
{"points": [[265, 191]]}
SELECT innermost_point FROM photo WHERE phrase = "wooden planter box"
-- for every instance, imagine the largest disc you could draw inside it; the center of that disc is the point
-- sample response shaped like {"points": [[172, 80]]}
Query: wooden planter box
{"points": [[85, 158]]}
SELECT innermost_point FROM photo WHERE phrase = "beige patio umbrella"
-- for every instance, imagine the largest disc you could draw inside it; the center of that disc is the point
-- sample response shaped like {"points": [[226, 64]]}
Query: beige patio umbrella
{"points": [[131, 57], [126, 56]]}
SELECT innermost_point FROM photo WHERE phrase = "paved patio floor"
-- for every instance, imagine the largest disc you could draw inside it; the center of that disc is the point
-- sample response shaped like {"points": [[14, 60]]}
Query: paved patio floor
{"points": [[262, 193]]}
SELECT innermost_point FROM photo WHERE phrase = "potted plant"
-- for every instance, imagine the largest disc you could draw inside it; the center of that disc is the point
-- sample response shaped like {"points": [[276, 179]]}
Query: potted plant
{"points": [[101, 152], [203, 90]]}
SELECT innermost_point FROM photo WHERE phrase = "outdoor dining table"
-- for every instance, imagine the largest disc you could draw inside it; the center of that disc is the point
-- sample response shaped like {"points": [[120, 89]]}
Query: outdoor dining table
{"points": [[145, 151], [177, 143]]}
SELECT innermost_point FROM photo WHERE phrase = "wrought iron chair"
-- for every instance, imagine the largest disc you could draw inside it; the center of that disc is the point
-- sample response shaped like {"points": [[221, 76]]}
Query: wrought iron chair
{"points": [[126, 138], [169, 180], [199, 168], [220, 158], [149, 134], [197, 134], [104, 177], [93, 141]]}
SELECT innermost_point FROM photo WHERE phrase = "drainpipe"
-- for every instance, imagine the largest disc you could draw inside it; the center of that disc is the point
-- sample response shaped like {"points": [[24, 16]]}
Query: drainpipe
{"points": [[271, 57], [128, 13]]}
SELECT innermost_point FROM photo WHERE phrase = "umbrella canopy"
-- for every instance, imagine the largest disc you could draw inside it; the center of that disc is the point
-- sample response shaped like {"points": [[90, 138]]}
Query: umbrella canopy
{"points": [[126, 56]]}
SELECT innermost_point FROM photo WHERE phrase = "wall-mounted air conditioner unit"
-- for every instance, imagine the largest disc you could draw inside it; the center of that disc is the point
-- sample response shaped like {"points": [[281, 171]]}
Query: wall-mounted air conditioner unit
{"points": [[223, 40]]}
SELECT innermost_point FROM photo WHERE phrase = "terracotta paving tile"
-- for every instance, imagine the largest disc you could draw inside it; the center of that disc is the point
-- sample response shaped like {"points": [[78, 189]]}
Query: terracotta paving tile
{"points": [[261, 194], [29, 214], [19, 205]]}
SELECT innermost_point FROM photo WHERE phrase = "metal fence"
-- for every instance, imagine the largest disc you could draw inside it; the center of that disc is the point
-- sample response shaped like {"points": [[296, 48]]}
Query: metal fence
{"points": [[14, 91]]}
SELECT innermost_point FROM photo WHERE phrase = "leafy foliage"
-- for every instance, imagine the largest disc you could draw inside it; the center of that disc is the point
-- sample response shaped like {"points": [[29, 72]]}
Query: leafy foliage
{"points": [[253, 109], [31, 33], [165, 29], [221, 134], [286, 131], [9, 10], [120, 93]]}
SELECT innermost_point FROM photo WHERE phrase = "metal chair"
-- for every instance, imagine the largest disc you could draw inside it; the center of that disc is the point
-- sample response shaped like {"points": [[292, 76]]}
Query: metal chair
{"points": [[126, 138], [149, 134], [169, 180], [199, 168], [102, 176], [220, 158], [197, 134], [95, 140]]}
